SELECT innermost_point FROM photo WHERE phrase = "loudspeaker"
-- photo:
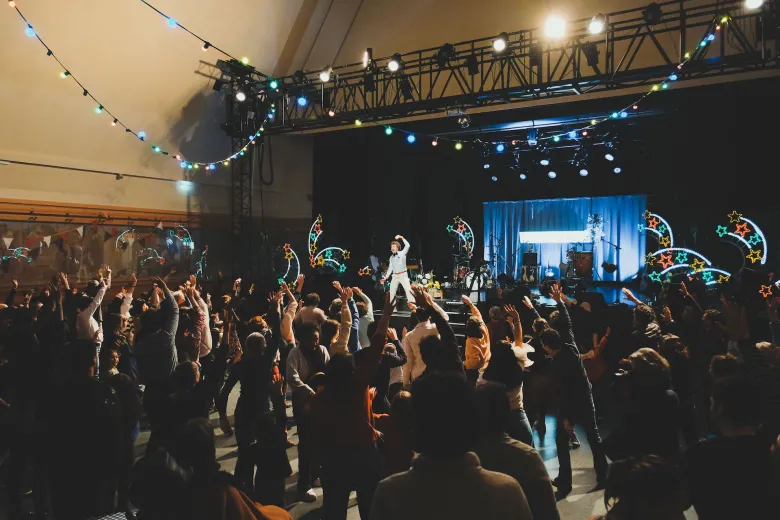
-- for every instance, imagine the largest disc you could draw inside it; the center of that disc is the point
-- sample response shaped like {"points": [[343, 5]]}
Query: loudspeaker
{"points": [[530, 259]]}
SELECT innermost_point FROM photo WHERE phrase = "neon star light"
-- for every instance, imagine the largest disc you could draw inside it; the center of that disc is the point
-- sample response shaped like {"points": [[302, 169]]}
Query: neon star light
{"points": [[760, 233], [653, 223], [723, 279], [722, 231], [665, 241], [707, 277], [742, 230], [682, 257], [286, 258], [650, 260], [754, 240], [754, 255], [666, 260], [462, 230], [655, 276], [697, 265], [766, 291], [331, 256], [734, 217]]}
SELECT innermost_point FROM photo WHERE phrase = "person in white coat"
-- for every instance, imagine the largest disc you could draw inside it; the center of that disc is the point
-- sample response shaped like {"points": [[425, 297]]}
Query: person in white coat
{"points": [[397, 269]]}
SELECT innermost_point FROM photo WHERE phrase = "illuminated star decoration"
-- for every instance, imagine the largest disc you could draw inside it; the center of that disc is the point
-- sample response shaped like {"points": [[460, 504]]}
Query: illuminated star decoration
{"points": [[754, 240], [766, 291], [754, 256], [647, 214], [723, 278], [312, 262], [313, 248], [287, 247], [467, 234], [461, 227], [734, 217], [707, 277], [641, 227], [457, 219], [666, 260], [320, 260], [319, 219], [342, 268], [317, 228], [722, 231], [653, 223], [697, 265], [365, 271], [289, 255], [665, 241], [742, 230], [662, 229], [656, 277], [650, 259], [280, 281], [329, 254], [450, 228], [682, 257], [313, 236], [346, 254]]}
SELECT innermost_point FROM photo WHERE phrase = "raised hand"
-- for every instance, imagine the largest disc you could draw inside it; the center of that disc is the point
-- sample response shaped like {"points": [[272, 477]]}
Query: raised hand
{"points": [[15, 282], [357, 291], [684, 290], [527, 303], [511, 312], [160, 282], [349, 292], [466, 300], [392, 335], [398, 237], [666, 315], [337, 285], [555, 293]]}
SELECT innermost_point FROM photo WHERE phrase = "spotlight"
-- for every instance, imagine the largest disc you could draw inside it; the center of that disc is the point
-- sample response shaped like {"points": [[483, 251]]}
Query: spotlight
{"points": [[396, 63], [445, 54], [368, 57], [410, 138], [501, 42], [472, 64], [533, 137], [754, 4], [545, 162], [331, 112], [535, 55], [555, 27], [494, 178], [435, 141], [552, 174], [240, 96], [299, 76], [652, 14], [464, 120], [245, 60], [325, 74], [459, 146], [273, 84], [302, 101], [608, 156], [388, 130], [596, 25], [617, 169], [523, 176], [369, 85], [583, 172]]}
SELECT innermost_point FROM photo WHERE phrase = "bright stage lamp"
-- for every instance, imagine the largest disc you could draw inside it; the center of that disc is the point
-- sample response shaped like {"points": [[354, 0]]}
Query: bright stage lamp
{"points": [[494, 178], [552, 174], [240, 96], [555, 27], [523, 176], [608, 156], [325, 75], [617, 169], [754, 4], [545, 162], [596, 25], [395, 64], [500, 43], [584, 172]]}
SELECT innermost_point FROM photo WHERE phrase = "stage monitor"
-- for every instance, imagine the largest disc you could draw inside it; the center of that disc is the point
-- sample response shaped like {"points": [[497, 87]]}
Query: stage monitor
{"points": [[530, 259]]}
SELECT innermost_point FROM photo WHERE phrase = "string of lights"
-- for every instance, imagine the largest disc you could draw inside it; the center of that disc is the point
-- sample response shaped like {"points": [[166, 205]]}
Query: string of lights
{"points": [[575, 134], [140, 135]]}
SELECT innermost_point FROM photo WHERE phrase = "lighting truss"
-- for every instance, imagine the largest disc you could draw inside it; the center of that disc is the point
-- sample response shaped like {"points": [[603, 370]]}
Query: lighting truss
{"points": [[530, 68]]}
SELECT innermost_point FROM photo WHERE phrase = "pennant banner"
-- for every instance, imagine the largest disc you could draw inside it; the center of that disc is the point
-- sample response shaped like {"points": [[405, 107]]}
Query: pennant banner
{"points": [[47, 241], [80, 229], [8, 241]]}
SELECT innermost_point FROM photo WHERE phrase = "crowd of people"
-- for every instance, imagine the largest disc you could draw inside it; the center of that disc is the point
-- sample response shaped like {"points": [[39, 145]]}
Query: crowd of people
{"points": [[417, 422]]}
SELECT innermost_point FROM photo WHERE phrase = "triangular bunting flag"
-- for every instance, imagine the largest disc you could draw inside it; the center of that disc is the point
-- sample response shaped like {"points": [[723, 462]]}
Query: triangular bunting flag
{"points": [[114, 231], [142, 242], [7, 241], [130, 241], [80, 229], [159, 225], [106, 236], [47, 241]]}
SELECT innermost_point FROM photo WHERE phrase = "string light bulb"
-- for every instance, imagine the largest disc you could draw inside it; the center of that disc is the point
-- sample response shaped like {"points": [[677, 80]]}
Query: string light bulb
{"points": [[64, 74], [99, 109], [172, 23], [273, 84], [435, 142], [410, 138], [331, 112], [156, 148], [30, 31], [141, 135], [245, 60], [458, 146], [358, 122], [11, 3], [114, 122], [226, 163], [206, 46], [388, 130]]}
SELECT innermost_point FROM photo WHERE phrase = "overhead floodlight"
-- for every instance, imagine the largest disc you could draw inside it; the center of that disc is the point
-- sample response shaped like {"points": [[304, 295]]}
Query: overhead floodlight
{"points": [[325, 74], [406, 88], [396, 63], [551, 174], [368, 57], [501, 42], [240, 96], [652, 14], [299, 76], [445, 54], [472, 64], [523, 176], [754, 4], [591, 53], [597, 23], [555, 27], [583, 172], [608, 156], [369, 85]]}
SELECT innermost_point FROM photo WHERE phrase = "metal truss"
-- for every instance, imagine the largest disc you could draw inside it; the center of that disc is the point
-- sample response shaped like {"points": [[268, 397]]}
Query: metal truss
{"points": [[628, 53]]}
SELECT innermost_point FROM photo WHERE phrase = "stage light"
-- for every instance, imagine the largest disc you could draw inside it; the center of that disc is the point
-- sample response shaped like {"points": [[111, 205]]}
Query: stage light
{"points": [[358, 122], [406, 88], [673, 77], [445, 54], [396, 63], [156, 149], [172, 23], [552, 174], [556, 138], [245, 60], [30, 31], [754, 4], [545, 162], [331, 112], [486, 166], [555, 27], [388, 130], [591, 53], [464, 120], [596, 25], [494, 178], [523, 176], [302, 101], [617, 169], [583, 172], [501, 42], [458, 146], [325, 74], [533, 137], [472, 65], [500, 147], [573, 134], [410, 138], [652, 14], [368, 57], [240, 96], [608, 156], [273, 84], [64, 74], [206, 46], [184, 187], [114, 122], [369, 85]]}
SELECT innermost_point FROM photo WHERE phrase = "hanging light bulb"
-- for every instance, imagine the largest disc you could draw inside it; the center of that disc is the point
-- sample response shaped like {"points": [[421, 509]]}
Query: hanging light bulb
{"points": [[358, 122], [30, 31], [410, 138], [388, 130], [11, 3], [240, 96], [331, 112], [99, 109], [458, 146], [596, 25], [172, 23], [273, 84], [64, 74], [435, 141], [206, 46], [114, 122]]}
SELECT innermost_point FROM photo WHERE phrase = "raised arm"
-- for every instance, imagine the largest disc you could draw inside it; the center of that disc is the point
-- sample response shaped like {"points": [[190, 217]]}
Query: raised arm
{"points": [[367, 301], [405, 249], [530, 306], [517, 327], [365, 372], [286, 327], [446, 333], [345, 325], [169, 310], [567, 334], [9, 299], [98, 299]]}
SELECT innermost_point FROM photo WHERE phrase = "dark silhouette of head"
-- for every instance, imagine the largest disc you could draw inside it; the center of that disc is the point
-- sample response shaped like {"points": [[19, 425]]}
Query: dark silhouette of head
{"points": [[493, 406]]}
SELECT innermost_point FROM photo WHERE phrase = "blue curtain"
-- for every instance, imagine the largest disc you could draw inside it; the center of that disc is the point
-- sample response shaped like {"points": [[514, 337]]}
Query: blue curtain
{"points": [[504, 221]]}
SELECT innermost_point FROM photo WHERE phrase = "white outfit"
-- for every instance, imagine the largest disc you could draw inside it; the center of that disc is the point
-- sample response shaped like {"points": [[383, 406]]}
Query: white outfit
{"points": [[397, 269], [364, 340], [87, 326], [411, 344]]}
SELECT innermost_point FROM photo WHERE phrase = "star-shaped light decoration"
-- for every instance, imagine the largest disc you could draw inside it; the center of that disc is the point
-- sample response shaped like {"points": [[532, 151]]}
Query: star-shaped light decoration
{"points": [[697, 265], [682, 257], [280, 281], [734, 217], [754, 240], [346, 254], [662, 228], [655, 276], [329, 253], [317, 229], [313, 236], [647, 214], [287, 247], [450, 228], [722, 231], [665, 241], [456, 219], [289, 255], [641, 227], [707, 276], [342, 268], [742, 230], [766, 291], [666, 260], [461, 227], [723, 278], [319, 219], [313, 248], [650, 260], [320, 260], [754, 255], [312, 262], [653, 223], [467, 234]]}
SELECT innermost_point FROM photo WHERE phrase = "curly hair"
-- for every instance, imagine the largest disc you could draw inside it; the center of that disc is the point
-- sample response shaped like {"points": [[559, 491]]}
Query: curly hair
{"points": [[644, 314]]}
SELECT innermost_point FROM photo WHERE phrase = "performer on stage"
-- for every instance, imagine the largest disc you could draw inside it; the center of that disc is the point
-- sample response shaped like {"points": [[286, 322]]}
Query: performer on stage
{"points": [[397, 269]]}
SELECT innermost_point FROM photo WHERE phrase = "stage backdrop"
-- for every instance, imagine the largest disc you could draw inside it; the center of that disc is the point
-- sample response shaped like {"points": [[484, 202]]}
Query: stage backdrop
{"points": [[551, 226]]}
